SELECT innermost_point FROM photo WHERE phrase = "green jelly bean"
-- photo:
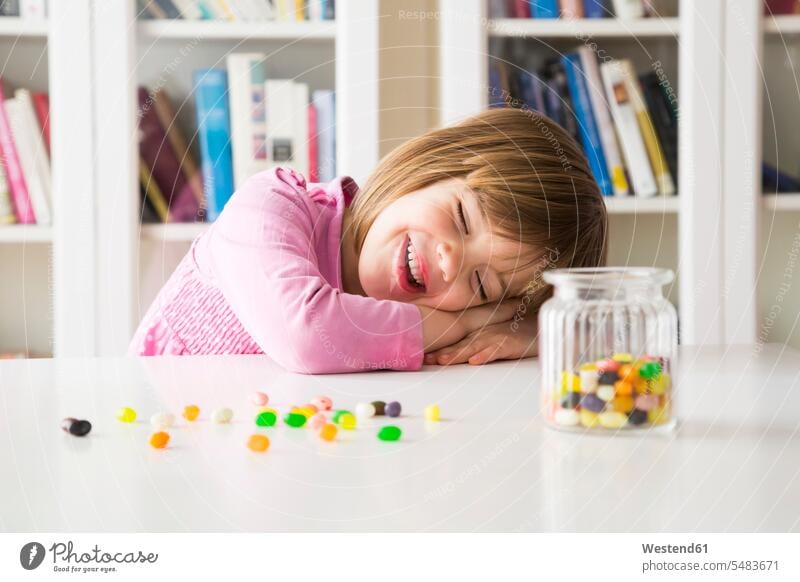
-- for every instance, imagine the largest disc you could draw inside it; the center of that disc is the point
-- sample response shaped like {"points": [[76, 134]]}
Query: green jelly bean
{"points": [[650, 370], [266, 418], [337, 416], [390, 433], [295, 419]]}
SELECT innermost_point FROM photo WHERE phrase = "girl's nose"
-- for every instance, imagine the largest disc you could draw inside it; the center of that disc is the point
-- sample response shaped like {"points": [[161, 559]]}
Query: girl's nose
{"points": [[448, 262]]}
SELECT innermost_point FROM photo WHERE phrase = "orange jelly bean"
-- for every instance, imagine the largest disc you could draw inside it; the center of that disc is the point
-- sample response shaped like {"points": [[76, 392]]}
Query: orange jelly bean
{"points": [[627, 373], [623, 388], [159, 440], [328, 432], [191, 412], [623, 403], [258, 443]]}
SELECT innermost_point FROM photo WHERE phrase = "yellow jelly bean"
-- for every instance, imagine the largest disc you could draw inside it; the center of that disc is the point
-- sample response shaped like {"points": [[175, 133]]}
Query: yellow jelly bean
{"points": [[612, 419], [126, 414], [432, 412], [570, 382], [258, 443], [588, 418], [658, 415], [191, 412], [306, 411], [328, 432], [622, 357], [347, 421], [659, 385]]}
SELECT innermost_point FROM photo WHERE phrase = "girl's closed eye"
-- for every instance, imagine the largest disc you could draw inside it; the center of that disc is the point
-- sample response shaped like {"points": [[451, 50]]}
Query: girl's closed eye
{"points": [[481, 288], [463, 217]]}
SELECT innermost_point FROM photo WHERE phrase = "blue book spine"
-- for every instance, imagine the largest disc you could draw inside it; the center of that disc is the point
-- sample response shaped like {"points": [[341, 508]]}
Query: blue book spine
{"points": [[587, 126], [595, 9], [544, 9], [214, 135]]}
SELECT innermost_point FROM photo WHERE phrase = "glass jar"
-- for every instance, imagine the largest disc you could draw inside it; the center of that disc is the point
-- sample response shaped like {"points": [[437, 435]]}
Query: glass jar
{"points": [[607, 348]]}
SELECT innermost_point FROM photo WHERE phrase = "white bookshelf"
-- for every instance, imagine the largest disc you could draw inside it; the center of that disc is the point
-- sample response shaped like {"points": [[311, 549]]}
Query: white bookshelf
{"points": [[596, 28], [22, 234], [176, 232], [19, 27], [634, 205], [783, 202], [209, 29]]}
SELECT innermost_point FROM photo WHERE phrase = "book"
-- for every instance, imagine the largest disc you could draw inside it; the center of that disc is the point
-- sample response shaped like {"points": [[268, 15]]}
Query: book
{"points": [[666, 186], [223, 10], [325, 106], [149, 9], [13, 169], [214, 132], [287, 124], [571, 8], [664, 114], [41, 103], [587, 127], [521, 9], [189, 9], [628, 132], [559, 103], [605, 127], [498, 9], [38, 186], [33, 9], [596, 8], [162, 163], [300, 114], [544, 8], [153, 194], [313, 160], [168, 8], [168, 120], [628, 9], [7, 215], [9, 7], [328, 9], [300, 10], [773, 180], [246, 78]]}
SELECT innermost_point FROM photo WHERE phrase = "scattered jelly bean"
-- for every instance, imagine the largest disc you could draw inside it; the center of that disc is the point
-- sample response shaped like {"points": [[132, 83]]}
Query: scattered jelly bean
{"points": [[571, 400], [567, 417], [338, 415], [222, 415], [390, 433], [317, 421], [570, 382], [260, 399], [294, 419], [76, 427], [162, 420], [650, 370], [322, 402], [588, 379], [365, 410], [637, 417], [380, 407], [607, 365], [347, 421], [159, 440], [646, 402], [306, 411], [622, 403], [191, 412], [267, 417], [432, 413], [328, 432], [623, 388], [312, 407], [393, 409], [622, 357], [588, 418], [612, 419], [608, 378], [258, 443], [126, 414], [592, 403], [606, 393]]}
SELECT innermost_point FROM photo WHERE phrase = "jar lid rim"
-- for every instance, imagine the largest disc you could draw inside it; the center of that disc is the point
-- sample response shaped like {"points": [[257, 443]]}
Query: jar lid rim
{"points": [[603, 276]]}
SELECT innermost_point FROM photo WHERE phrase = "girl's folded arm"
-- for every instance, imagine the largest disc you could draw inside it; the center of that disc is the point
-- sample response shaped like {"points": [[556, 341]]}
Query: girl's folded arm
{"points": [[263, 260]]}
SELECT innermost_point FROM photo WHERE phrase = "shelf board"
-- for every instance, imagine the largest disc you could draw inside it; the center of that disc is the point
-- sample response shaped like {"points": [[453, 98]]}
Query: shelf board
{"points": [[635, 205], [584, 27], [783, 201], [25, 234], [214, 29], [173, 232], [786, 24], [15, 26]]}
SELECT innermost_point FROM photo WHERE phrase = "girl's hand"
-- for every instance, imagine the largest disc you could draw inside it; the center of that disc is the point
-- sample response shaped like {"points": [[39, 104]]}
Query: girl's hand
{"points": [[441, 329], [501, 341]]}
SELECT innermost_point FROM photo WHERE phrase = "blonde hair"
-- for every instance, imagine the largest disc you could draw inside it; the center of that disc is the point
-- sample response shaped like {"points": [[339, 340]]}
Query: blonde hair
{"points": [[532, 180]]}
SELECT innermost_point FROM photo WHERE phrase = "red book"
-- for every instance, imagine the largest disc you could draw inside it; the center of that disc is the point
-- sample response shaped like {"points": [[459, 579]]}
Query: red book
{"points": [[522, 9], [42, 105], [313, 157], [14, 175]]}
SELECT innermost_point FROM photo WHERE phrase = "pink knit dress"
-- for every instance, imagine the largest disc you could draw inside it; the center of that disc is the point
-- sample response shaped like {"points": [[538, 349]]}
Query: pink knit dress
{"points": [[266, 278]]}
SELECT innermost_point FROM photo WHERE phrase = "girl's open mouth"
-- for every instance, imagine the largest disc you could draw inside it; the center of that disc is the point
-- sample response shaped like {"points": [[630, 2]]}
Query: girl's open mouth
{"points": [[411, 271]]}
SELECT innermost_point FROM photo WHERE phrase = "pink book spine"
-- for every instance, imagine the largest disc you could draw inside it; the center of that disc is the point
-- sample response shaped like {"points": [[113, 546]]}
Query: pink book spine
{"points": [[16, 181], [313, 155], [572, 8]]}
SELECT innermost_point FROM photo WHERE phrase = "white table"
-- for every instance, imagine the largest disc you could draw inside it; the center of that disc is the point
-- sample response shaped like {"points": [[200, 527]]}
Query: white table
{"points": [[732, 465]]}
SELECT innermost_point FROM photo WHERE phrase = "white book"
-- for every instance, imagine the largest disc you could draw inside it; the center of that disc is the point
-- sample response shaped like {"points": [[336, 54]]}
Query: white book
{"points": [[630, 136], [246, 88], [25, 130], [282, 145], [238, 10], [7, 214], [266, 9], [33, 9], [188, 9], [594, 84], [285, 10], [300, 112], [315, 10], [323, 100], [628, 9]]}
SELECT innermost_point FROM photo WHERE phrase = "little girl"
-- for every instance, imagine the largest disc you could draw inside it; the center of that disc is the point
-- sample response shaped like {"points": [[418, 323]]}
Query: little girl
{"points": [[440, 254]]}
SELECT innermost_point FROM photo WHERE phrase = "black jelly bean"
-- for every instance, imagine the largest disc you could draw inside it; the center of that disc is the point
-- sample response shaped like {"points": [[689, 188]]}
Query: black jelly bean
{"points": [[608, 378], [393, 409], [380, 407], [592, 403], [637, 416], [571, 400]]}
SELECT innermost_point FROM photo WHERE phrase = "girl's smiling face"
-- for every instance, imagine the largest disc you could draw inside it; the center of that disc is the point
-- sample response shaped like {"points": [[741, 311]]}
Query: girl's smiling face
{"points": [[435, 247]]}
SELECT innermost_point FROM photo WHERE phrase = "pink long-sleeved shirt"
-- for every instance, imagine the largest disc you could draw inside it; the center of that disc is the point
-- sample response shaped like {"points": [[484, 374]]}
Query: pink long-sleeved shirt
{"points": [[266, 278]]}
